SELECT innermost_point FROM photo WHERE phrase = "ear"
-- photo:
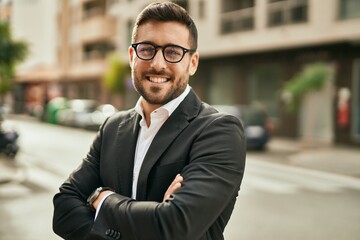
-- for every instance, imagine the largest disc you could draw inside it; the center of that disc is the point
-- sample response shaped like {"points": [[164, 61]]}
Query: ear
{"points": [[194, 62], [131, 52]]}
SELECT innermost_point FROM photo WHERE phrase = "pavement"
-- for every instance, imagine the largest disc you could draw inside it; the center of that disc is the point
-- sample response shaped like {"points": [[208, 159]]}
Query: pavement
{"points": [[337, 159], [10, 170], [342, 160]]}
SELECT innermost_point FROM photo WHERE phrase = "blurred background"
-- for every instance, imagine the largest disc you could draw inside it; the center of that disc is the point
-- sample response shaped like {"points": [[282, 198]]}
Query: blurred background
{"points": [[249, 51], [289, 69]]}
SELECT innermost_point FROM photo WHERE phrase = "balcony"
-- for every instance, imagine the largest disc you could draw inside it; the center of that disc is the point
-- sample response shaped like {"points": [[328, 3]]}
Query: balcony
{"points": [[97, 28], [87, 70]]}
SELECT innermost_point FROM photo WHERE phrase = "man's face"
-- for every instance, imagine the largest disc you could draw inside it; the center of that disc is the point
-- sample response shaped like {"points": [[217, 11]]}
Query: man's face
{"points": [[157, 80]]}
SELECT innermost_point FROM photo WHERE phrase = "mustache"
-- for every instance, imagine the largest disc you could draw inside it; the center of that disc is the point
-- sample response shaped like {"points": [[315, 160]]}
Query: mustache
{"points": [[162, 72]]}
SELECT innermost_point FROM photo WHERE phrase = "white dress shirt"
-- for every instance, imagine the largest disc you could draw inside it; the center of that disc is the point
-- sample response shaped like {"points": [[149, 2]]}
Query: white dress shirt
{"points": [[147, 133]]}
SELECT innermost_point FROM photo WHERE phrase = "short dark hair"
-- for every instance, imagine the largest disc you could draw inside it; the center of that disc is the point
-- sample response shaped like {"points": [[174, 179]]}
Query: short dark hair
{"points": [[166, 12]]}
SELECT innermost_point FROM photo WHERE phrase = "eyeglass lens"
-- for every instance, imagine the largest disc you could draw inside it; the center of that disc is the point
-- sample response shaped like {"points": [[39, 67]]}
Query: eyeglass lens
{"points": [[147, 51]]}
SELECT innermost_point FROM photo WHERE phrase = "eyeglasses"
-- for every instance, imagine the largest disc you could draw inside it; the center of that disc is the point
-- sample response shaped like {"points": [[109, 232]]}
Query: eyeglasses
{"points": [[171, 53]]}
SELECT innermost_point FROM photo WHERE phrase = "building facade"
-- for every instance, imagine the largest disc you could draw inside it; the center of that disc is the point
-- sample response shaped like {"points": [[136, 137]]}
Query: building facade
{"points": [[248, 51], [87, 35], [69, 42]]}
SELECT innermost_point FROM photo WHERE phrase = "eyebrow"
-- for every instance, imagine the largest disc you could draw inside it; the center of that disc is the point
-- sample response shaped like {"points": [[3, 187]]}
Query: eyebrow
{"points": [[165, 45]]}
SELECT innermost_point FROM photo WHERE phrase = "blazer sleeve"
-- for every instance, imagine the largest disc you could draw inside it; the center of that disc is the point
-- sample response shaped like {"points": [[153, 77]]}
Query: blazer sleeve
{"points": [[72, 218], [211, 181]]}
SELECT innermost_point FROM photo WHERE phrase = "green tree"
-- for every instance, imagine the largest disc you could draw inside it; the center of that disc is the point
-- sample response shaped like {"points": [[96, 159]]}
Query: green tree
{"points": [[116, 74], [11, 53], [311, 78]]}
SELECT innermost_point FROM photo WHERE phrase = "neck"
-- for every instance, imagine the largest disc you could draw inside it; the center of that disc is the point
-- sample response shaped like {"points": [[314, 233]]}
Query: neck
{"points": [[148, 109]]}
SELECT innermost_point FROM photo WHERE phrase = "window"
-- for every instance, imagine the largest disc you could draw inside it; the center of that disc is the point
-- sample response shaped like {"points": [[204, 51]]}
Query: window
{"points": [[233, 5], [97, 50], [263, 84], [222, 85], [93, 8], [283, 12], [349, 9], [237, 16]]}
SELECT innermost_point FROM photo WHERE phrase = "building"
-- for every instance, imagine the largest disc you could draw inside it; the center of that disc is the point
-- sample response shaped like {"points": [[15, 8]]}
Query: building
{"points": [[262, 44], [249, 50], [69, 42], [39, 69], [87, 35]]}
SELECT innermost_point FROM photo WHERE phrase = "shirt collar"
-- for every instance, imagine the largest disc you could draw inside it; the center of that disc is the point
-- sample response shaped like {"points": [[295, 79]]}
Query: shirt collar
{"points": [[169, 107]]}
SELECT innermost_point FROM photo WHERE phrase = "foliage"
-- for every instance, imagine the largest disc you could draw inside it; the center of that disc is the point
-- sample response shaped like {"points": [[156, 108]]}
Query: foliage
{"points": [[311, 78], [11, 53], [116, 74]]}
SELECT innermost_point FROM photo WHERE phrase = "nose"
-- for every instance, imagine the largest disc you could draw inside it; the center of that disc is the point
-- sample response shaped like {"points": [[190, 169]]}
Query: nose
{"points": [[158, 62]]}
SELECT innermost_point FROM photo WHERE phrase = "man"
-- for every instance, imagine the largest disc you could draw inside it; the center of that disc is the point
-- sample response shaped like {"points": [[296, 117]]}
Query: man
{"points": [[171, 167]]}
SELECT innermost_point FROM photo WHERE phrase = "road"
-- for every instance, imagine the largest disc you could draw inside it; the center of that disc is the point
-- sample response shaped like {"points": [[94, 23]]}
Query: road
{"points": [[276, 202]]}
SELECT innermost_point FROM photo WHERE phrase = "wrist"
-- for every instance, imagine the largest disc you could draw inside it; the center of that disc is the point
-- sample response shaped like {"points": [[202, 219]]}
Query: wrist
{"points": [[101, 197], [94, 198]]}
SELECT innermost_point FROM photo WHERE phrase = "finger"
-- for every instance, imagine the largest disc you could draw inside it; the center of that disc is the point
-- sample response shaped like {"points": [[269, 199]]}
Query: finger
{"points": [[177, 179], [174, 186]]}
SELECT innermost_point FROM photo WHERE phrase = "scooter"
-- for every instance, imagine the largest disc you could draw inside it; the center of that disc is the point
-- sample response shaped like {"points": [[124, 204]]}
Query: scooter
{"points": [[8, 140]]}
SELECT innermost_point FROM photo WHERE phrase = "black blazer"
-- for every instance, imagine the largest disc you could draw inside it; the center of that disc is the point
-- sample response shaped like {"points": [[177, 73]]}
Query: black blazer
{"points": [[206, 147]]}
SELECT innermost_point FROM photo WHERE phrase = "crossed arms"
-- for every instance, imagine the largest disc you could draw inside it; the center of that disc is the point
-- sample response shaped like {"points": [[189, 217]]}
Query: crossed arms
{"points": [[202, 198]]}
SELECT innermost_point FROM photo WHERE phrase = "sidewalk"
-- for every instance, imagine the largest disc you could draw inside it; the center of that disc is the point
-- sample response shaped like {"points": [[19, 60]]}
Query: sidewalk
{"points": [[10, 170], [343, 160]]}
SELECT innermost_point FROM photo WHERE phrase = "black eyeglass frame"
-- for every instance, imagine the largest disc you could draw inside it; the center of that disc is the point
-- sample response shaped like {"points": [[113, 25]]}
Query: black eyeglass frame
{"points": [[185, 50]]}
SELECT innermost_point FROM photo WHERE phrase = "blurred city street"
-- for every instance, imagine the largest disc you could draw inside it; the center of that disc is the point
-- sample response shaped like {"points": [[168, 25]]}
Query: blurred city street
{"points": [[288, 69], [287, 192]]}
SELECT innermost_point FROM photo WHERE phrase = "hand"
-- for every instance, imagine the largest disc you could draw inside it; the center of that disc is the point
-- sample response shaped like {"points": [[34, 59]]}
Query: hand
{"points": [[174, 186], [100, 197]]}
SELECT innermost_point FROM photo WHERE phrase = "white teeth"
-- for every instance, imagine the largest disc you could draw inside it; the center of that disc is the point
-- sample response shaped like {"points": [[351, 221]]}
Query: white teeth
{"points": [[157, 79]]}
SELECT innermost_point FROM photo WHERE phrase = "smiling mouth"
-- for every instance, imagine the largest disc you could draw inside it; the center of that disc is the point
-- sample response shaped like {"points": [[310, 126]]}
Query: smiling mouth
{"points": [[157, 79]]}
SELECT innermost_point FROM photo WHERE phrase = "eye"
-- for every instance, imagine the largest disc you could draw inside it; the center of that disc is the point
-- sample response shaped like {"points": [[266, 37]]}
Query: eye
{"points": [[173, 51], [146, 49]]}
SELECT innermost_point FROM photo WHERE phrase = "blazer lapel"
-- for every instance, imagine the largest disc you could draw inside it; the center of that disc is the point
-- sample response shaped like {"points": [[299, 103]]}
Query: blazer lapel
{"points": [[179, 119], [126, 144]]}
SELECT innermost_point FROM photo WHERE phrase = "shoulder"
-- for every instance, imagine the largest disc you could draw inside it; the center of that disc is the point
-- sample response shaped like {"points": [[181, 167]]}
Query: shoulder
{"points": [[122, 115], [212, 112], [211, 119], [119, 118]]}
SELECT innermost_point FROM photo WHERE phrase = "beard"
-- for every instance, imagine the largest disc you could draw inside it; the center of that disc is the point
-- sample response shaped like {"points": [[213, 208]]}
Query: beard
{"points": [[159, 95]]}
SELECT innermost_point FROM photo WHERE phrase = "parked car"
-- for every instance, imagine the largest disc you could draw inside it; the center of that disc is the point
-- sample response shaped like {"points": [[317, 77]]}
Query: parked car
{"points": [[77, 112], [98, 116], [258, 126]]}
